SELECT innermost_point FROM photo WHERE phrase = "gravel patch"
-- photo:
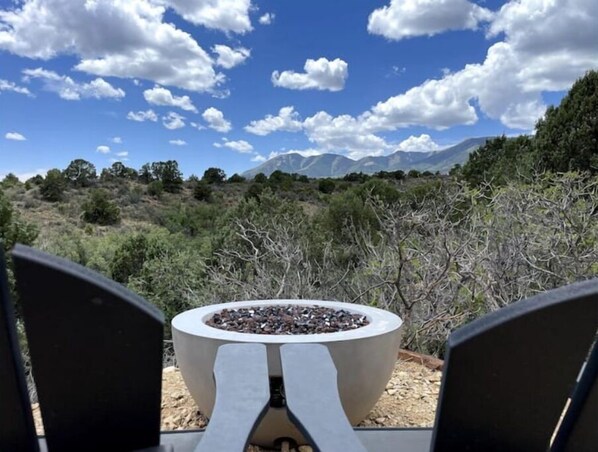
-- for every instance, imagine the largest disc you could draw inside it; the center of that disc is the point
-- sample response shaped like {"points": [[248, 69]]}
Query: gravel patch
{"points": [[286, 320]]}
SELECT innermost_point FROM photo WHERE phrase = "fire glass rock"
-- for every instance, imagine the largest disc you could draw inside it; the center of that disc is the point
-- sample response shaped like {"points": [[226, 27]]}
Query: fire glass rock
{"points": [[286, 320]]}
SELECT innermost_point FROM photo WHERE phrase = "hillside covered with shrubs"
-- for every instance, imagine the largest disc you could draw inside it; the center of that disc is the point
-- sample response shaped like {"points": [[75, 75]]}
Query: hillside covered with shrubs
{"points": [[520, 217]]}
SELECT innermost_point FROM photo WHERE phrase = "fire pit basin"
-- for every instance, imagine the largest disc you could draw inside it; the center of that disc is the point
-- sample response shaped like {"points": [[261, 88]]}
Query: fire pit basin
{"points": [[364, 358]]}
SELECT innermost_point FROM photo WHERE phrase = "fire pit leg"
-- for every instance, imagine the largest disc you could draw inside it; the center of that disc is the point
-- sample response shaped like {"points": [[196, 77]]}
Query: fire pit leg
{"points": [[242, 396], [312, 398]]}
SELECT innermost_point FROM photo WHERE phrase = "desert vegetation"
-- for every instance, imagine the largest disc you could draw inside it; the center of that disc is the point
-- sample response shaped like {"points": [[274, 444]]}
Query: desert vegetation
{"points": [[520, 217]]}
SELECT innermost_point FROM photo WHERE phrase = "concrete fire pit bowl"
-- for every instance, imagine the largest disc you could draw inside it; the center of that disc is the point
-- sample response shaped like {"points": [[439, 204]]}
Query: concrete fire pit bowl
{"points": [[364, 358]]}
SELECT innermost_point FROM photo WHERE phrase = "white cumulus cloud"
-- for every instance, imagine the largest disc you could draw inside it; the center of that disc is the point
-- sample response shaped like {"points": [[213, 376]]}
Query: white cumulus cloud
{"points": [[241, 146], [178, 142], [162, 96], [115, 38], [69, 89], [141, 116], [103, 149], [309, 152], [320, 74], [224, 15], [173, 121], [545, 47], [257, 157], [267, 18], [344, 134], [15, 136], [287, 120], [422, 143], [433, 104], [407, 18], [304, 152], [117, 140], [229, 57], [6, 85], [215, 120], [122, 154]]}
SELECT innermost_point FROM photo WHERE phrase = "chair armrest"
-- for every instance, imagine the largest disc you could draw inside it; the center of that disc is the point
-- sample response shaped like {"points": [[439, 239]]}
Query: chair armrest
{"points": [[242, 397], [312, 398]]}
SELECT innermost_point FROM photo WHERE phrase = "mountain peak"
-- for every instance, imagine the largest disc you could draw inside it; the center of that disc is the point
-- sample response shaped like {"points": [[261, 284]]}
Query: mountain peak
{"points": [[336, 165]]}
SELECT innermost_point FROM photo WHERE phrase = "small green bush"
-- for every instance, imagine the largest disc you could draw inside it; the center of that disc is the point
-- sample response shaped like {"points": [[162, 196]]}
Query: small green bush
{"points": [[99, 209], [155, 188], [36, 180], [202, 192], [356, 177], [12, 228], [170, 281], [379, 188], [236, 179], [254, 191], [260, 178], [134, 195], [129, 257], [326, 185], [213, 176], [10, 180], [31, 203], [53, 186]]}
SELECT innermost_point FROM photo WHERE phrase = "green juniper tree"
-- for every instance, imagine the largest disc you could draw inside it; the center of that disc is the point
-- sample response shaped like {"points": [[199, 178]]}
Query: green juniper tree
{"points": [[53, 186], [99, 209], [80, 173]]}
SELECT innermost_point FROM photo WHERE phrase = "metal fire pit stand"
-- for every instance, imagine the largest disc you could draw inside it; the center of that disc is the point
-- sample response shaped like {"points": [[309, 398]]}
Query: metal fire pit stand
{"points": [[96, 353]]}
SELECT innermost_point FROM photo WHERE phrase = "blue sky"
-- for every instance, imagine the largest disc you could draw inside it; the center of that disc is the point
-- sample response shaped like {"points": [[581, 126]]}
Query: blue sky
{"points": [[232, 83]]}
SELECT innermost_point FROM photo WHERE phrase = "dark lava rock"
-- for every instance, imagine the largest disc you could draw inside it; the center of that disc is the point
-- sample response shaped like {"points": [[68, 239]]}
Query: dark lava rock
{"points": [[291, 319]]}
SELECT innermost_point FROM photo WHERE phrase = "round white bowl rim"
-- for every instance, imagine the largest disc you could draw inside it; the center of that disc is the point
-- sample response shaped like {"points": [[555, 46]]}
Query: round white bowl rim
{"points": [[192, 322]]}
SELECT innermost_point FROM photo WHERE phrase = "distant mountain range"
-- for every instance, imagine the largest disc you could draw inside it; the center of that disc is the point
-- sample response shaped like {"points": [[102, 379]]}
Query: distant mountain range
{"points": [[334, 165]]}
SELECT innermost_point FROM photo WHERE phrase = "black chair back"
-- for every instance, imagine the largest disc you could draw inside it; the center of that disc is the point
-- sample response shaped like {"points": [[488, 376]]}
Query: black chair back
{"points": [[508, 375], [96, 352], [17, 432]]}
